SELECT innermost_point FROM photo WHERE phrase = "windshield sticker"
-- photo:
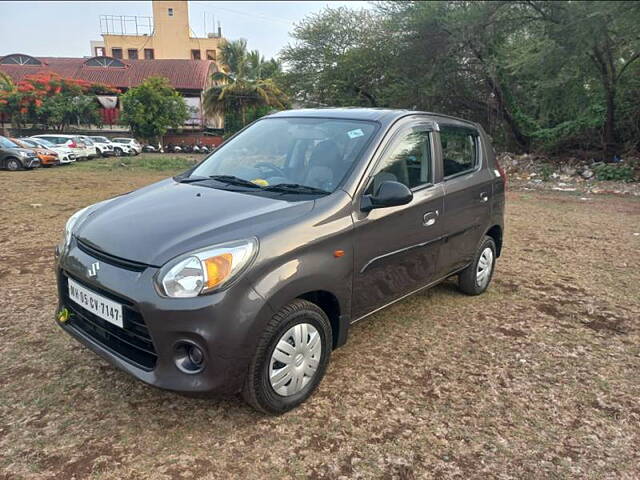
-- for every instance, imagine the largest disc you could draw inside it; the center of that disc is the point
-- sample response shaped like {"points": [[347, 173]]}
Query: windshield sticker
{"points": [[355, 133]]}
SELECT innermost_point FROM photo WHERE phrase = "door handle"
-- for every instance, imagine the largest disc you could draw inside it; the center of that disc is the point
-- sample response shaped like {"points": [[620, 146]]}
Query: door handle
{"points": [[484, 197], [430, 218]]}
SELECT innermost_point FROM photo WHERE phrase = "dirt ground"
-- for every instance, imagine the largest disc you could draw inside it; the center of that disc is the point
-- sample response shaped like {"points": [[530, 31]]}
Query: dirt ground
{"points": [[538, 378]]}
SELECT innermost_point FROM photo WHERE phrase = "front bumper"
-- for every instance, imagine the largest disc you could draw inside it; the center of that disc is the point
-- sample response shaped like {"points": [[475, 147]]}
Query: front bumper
{"points": [[225, 325], [32, 162]]}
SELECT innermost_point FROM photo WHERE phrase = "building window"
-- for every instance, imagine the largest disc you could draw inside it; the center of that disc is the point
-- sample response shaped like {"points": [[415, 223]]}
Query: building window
{"points": [[170, 12], [19, 59], [195, 54], [132, 53], [116, 53], [211, 54], [99, 52], [148, 54]]}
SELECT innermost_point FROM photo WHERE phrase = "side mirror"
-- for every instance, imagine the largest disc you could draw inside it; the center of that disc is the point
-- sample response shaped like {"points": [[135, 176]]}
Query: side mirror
{"points": [[389, 194]]}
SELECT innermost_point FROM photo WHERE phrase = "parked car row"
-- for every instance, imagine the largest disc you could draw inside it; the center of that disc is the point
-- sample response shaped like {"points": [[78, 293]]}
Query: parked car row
{"points": [[48, 150]]}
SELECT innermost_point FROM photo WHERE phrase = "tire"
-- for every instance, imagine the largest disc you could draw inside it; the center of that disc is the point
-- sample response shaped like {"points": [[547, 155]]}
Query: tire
{"points": [[258, 390], [117, 152], [475, 279], [14, 164]]}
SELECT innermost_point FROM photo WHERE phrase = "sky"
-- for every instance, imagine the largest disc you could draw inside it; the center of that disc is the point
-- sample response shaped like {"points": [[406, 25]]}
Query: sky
{"points": [[64, 29]]}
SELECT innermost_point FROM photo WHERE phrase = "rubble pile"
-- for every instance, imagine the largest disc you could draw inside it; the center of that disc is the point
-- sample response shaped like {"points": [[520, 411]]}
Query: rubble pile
{"points": [[530, 171]]}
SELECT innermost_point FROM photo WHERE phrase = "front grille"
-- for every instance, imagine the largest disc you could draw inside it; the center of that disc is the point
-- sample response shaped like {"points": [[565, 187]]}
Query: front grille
{"points": [[132, 342], [110, 259]]}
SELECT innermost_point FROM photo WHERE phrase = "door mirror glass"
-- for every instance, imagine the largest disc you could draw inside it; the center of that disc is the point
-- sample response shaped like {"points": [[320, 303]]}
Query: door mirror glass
{"points": [[388, 194]]}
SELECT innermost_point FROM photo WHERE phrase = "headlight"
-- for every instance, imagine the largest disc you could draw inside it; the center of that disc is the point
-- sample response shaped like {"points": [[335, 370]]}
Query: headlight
{"points": [[206, 270], [68, 228]]}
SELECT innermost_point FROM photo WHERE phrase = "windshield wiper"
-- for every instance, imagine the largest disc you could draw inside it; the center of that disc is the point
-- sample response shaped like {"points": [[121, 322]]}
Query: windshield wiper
{"points": [[228, 179], [294, 188], [233, 180], [190, 179]]}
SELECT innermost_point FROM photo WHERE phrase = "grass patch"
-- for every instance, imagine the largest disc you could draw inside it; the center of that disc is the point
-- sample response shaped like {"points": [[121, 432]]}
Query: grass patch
{"points": [[158, 163]]}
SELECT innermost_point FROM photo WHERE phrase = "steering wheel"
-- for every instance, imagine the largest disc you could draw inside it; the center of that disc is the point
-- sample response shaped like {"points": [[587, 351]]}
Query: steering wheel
{"points": [[271, 168]]}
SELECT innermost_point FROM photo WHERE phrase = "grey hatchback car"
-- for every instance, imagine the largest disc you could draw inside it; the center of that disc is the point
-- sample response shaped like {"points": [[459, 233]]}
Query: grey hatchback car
{"points": [[245, 272]]}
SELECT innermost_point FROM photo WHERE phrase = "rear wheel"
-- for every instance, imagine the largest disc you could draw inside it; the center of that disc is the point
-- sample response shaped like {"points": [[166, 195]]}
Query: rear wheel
{"points": [[291, 358], [475, 279], [117, 152], [14, 164]]}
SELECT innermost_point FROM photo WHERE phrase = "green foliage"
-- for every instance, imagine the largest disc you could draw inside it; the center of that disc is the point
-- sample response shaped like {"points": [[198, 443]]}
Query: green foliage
{"points": [[247, 89], [164, 163], [153, 107], [50, 101], [537, 75], [546, 170], [612, 171], [61, 110]]}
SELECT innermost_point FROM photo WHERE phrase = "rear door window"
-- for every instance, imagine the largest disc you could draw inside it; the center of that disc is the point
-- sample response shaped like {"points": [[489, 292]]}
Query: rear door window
{"points": [[459, 149]]}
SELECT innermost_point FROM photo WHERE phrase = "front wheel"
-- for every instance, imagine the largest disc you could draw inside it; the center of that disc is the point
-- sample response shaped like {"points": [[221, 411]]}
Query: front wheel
{"points": [[290, 360], [475, 279], [14, 164]]}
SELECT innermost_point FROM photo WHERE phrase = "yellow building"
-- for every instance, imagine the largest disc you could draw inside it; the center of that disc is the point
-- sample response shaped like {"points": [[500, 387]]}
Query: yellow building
{"points": [[166, 36]]}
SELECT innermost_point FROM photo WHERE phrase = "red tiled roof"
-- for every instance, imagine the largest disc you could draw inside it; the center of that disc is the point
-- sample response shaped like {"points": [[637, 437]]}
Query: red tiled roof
{"points": [[182, 74]]}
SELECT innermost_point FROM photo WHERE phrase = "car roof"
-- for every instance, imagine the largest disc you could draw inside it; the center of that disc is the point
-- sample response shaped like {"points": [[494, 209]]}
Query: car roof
{"points": [[385, 116], [45, 135]]}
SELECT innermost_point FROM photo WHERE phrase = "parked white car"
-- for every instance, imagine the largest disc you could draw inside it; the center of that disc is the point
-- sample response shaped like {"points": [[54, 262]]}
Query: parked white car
{"points": [[132, 143], [81, 149], [65, 154], [103, 145], [92, 149]]}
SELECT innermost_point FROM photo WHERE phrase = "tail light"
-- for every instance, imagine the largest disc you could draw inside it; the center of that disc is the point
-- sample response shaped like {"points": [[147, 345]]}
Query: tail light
{"points": [[503, 174], [73, 144]]}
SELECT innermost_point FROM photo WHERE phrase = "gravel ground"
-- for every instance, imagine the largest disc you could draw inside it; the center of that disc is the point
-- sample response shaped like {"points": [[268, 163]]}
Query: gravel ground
{"points": [[538, 378]]}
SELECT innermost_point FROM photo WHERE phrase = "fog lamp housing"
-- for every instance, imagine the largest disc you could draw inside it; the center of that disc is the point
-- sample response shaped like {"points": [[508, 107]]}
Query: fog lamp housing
{"points": [[189, 357]]}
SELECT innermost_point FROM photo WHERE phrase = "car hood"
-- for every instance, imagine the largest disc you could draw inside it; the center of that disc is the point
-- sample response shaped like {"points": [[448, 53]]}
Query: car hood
{"points": [[21, 150], [159, 222]]}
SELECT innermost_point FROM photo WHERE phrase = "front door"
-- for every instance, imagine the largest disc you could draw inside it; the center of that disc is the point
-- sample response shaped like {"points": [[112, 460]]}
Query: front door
{"points": [[396, 248]]}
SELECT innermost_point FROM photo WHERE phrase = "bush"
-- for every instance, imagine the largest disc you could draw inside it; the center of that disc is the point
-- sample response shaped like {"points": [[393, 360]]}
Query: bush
{"points": [[612, 171]]}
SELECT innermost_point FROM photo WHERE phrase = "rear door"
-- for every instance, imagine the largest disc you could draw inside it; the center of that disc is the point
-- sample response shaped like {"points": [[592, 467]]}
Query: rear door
{"points": [[467, 185], [396, 248]]}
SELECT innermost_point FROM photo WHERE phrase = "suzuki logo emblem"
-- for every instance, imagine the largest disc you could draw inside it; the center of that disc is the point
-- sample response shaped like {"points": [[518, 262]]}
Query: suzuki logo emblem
{"points": [[93, 271]]}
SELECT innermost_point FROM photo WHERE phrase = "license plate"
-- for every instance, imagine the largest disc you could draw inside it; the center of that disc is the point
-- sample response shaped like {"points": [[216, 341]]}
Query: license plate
{"points": [[103, 307]]}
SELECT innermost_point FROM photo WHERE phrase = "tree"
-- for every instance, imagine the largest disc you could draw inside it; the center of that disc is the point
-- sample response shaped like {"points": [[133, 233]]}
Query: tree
{"points": [[48, 100], [242, 85], [339, 57], [153, 107], [605, 34], [537, 75]]}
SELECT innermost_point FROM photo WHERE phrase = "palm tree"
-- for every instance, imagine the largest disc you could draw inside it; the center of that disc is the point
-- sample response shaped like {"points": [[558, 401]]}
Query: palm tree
{"points": [[241, 85], [6, 83]]}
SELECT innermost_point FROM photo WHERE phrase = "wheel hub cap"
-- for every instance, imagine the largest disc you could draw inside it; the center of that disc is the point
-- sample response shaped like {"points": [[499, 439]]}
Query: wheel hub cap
{"points": [[485, 264], [295, 359]]}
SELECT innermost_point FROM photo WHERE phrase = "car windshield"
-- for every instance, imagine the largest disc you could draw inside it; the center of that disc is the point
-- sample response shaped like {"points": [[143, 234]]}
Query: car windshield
{"points": [[44, 142], [28, 141], [294, 152], [121, 140], [100, 139], [86, 140], [6, 143]]}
